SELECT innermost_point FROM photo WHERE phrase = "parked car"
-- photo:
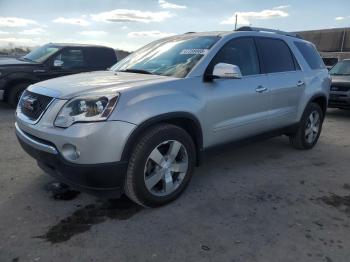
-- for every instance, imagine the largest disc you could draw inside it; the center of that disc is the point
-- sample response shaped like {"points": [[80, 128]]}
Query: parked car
{"points": [[49, 61], [340, 89], [141, 127]]}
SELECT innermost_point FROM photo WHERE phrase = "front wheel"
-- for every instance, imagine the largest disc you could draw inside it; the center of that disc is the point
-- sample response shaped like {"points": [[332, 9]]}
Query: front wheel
{"points": [[160, 166], [309, 129], [15, 94]]}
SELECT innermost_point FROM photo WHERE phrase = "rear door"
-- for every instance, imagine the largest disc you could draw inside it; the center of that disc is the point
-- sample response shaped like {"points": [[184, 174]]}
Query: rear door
{"points": [[286, 81], [237, 108], [100, 58]]}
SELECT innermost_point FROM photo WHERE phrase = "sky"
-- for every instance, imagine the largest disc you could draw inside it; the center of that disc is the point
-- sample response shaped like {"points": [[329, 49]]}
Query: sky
{"points": [[130, 24]]}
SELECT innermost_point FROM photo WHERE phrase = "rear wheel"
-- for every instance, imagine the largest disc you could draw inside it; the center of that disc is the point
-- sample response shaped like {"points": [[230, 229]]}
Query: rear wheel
{"points": [[15, 94], [309, 129], [160, 166]]}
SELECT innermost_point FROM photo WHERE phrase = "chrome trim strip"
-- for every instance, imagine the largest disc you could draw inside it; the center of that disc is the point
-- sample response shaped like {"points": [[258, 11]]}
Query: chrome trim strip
{"points": [[39, 71], [2, 92], [37, 145]]}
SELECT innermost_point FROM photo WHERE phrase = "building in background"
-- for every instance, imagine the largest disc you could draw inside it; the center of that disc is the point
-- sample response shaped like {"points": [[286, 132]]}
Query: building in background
{"points": [[333, 44]]}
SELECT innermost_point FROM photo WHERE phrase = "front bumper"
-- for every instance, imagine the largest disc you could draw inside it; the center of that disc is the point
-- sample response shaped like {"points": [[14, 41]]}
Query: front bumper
{"points": [[339, 100], [104, 180]]}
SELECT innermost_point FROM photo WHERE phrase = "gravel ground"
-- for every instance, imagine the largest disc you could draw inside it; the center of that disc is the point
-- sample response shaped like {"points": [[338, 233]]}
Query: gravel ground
{"points": [[262, 202]]}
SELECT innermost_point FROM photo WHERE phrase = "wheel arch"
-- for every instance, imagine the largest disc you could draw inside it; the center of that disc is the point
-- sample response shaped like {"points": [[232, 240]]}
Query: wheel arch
{"points": [[321, 100], [16, 81], [185, 120]]}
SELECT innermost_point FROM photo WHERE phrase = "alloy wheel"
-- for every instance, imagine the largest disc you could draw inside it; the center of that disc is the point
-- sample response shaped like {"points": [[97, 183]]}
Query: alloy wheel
{"points": [[312, 127], [166, 168]]}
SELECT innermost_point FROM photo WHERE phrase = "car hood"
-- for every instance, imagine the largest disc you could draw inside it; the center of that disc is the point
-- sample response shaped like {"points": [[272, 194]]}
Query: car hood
{"points": [[340, 80], [101, 81], [14, 62]]}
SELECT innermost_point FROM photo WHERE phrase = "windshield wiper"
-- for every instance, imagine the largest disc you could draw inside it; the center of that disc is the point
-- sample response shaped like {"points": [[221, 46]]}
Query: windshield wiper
{"points": [[26, 59], [137, 71]]}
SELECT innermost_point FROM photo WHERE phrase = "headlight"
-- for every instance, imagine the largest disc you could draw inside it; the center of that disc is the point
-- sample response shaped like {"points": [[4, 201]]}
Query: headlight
{"points": [[89, 108]]}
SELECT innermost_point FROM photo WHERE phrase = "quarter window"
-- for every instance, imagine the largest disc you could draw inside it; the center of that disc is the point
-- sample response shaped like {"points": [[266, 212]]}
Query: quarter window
{"points": [[311, 55], [276, 55], [240, 52]]}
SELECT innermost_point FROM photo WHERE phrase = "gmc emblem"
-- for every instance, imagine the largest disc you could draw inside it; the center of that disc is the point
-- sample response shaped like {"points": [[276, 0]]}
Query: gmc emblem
{"points": [[29, 103]]}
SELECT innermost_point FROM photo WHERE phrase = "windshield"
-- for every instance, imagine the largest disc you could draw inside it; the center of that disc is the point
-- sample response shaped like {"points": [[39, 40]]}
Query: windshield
{"points": [[40, 54], [342, 68], [168, 57]]}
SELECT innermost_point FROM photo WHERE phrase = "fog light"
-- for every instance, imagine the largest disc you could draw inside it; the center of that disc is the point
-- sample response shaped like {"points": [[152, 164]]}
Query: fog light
{"points": [[70, 152]]}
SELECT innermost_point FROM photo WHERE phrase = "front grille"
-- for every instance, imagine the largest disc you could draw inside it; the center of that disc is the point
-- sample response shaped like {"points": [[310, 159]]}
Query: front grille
{"points": [[33, 105], [338, 103], [340, 88]]}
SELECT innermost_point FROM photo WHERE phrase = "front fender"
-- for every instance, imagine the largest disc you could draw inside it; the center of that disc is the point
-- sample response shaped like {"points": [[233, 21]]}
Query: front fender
{"points": [[14, 76], [12, 79], [136, 107]]}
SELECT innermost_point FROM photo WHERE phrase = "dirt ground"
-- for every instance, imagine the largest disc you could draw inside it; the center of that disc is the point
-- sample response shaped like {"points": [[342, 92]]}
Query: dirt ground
{"points": [[262, 202]]}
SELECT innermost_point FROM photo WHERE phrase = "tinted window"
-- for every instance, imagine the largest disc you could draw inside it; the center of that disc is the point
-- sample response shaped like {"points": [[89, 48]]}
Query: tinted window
{"points": [[71, 58], [240, 52], [276, 55], [330, 61], [101, 58], [311, 55]]}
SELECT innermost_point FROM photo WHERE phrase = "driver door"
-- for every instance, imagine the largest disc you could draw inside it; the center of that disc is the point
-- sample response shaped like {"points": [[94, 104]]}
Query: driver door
{"points": [[68, 61], [237, 108]]}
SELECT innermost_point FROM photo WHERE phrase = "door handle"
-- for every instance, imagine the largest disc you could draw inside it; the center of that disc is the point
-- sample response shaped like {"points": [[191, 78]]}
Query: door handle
{"points": [[261, 89], [300, 83]]}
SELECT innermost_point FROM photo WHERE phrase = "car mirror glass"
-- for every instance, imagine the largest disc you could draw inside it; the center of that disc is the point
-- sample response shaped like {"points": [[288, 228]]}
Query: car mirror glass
{"points": [[58, 63]]}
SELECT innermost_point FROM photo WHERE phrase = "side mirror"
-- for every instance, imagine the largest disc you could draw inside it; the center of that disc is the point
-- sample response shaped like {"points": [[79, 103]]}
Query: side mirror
{"points": [[223, 70], [57, 63]]}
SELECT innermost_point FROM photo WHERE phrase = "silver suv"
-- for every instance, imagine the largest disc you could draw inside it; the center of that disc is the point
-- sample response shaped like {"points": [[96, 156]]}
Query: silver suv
{"points": [[141, 127]]}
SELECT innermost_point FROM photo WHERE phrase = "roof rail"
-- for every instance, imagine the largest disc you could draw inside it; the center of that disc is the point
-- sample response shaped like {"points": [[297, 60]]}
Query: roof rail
{"points": [[258, 29], [190, 32]]}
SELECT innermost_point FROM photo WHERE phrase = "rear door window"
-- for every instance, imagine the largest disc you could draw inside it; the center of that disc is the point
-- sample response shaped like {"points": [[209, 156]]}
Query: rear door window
{"points": [[101, 58], [310, 54], [276, 56]]}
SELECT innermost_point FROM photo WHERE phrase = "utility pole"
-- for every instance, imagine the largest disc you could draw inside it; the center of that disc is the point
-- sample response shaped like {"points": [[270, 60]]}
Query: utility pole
{"points": [[343, 41], [236, 22]]}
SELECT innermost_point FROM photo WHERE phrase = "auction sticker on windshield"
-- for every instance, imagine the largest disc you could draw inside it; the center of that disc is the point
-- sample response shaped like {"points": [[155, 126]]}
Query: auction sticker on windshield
{"points": [[194, 51]]}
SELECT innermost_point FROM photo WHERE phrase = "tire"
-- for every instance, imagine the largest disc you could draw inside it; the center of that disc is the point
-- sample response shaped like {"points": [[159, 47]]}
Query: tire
{"points": [[302, 139], [142, 167], [15, 94]]}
